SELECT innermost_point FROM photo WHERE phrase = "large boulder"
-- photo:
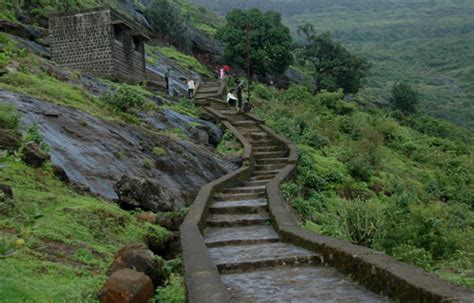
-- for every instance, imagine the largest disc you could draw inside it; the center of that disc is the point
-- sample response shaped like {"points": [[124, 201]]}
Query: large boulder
{"points": [[135, 192], [138, 257], [127, 286], [22, 30], [34, 155], [9, 140]]}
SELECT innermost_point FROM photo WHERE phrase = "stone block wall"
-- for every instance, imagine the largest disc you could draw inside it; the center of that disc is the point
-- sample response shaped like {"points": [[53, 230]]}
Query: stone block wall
{"points": [[82, 41], [87, 41]]}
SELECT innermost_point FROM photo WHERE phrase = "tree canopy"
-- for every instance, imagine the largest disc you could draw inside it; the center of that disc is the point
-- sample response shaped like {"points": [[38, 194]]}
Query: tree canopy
{"points": [[404, 98], [270, 41], [333, 65], [167, 22]]}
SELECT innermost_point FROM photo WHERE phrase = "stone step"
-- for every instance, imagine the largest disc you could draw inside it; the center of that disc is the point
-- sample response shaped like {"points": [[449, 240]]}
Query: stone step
{"points": [[230, 112], [238, 197], [259, 135], [268, 167], [262, 142], [269, 148], [269, 154], [245, 123], [263, 182], [215, 237], [245, 189], [251, 257], [264, 175], [248, 131], [233, 220], [272, 161], [236, 207], [208, 89]]}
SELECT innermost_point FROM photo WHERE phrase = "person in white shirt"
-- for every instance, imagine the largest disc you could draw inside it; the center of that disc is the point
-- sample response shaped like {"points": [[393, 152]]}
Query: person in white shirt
{"points": [[191, 87]]}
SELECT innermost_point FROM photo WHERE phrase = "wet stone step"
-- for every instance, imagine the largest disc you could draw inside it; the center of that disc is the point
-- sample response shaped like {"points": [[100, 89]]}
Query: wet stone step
{"points": [[245, 123], [269, 154], [263, 142], [269, 167], [246, 189], [272, 161], [257, 183], [235, 207], [264, 175], [237, 197], [296, 284], [233, 220], [269, 148], [250, 257], [240, 235]]}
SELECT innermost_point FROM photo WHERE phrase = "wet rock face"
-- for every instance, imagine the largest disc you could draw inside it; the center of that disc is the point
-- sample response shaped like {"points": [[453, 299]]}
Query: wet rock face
{"points": [[96, 154], [33, 155], [134, 192], [168, 247], [138, 257], [127, 286]]}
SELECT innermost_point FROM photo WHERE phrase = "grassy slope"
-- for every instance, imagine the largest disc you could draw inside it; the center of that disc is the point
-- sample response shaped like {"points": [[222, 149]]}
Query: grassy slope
{"points": [[403, 187], [69, 248]]}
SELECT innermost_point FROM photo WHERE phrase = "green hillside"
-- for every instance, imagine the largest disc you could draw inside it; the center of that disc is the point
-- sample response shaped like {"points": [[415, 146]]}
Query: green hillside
{"points": [[429, 43]]}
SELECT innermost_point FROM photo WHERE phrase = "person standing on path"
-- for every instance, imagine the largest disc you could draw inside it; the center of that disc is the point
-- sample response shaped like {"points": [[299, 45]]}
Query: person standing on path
{"points": [[191, 87], [167, 81], [239, 94]]}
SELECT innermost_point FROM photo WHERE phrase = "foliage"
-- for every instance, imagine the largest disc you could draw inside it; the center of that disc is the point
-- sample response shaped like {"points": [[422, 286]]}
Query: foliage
{"points": [[172, 292], [32, 134], [269, 41], [9, 118], [127, 99], [402, 186], [148, 163], [185, 107], [159, 151], [333, 65], [166, 20], [404, 98], [183, 60], [6, 249], [229, 146]]}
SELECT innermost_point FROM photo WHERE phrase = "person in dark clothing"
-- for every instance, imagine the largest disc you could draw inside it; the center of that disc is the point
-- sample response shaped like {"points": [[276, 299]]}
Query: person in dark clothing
{"points": [[167, 81], [239, 94]]}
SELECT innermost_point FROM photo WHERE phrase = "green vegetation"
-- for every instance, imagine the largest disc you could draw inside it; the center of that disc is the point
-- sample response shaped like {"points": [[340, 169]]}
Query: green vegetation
{"points": [[166, 21], [401, 184], [184, 106], [183, 60], [331, 65], [172, 292], [9, 118], [159, 151], [260, 35], [404, 98], [229, 146], [32, 134], [69, 239], [126, 99]]}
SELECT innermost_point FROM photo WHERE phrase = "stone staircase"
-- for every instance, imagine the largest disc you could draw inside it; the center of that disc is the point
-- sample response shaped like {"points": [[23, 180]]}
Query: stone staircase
{"points": [[254, 264]]}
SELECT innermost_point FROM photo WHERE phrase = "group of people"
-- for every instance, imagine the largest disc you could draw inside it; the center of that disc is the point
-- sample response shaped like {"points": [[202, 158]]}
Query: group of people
{"points": [[169, 85]]}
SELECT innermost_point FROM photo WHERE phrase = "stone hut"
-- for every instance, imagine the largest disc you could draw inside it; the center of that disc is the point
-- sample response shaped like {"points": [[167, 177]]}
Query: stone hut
{"points": [[99, 41]]}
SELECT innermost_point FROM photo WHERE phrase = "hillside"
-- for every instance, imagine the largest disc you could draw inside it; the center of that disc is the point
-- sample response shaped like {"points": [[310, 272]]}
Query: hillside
{"points": [[425, 42]]}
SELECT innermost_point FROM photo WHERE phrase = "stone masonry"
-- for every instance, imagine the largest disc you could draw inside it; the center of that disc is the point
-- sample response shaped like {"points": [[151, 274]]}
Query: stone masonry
{"points": [[99, 41]]}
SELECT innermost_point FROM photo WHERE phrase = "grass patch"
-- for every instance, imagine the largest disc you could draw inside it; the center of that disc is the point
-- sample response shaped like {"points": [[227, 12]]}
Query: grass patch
{"points": [[229, 145], [183, 60]]}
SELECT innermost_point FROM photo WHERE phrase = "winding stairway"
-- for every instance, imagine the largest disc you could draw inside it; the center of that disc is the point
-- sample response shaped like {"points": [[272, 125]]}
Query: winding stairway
{"points": [[234, 241]]}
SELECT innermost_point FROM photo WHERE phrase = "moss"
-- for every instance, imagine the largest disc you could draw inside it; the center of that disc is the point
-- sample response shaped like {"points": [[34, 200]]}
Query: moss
{"points": [[159, 151], [229, 146], [183, 60]]}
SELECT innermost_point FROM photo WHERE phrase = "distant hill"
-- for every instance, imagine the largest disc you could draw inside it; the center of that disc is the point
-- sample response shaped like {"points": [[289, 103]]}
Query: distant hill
{"points": [[427, 42]]}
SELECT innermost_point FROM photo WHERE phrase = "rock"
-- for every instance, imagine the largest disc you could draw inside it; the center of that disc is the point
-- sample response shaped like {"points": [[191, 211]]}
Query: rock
{"points": [[170, 222], [9, 140], [34, 155], [55, 71], [138, 257], [25, 31], [167, 247], [135, 192], [127, 286], [147, 217], [60, 173], [213, 138]]}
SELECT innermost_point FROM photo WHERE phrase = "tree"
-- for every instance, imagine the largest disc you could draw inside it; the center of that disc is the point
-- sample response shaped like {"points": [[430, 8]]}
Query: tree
{"points": [[167, 22], [262, 35], [333, 65], [404, 98]]}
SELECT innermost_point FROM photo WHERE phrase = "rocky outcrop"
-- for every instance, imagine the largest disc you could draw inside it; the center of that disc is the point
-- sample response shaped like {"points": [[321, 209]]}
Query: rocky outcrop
{"points": [[96, 154], [135, 192], [34, 155], [138, 257], [127, 286], [22, 30], [167, 247]]}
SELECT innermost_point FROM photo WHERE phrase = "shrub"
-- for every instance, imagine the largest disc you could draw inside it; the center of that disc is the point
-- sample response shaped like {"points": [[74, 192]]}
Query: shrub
{"points": [[147, 163], [414, 255], [159, 151], [404, 98], [127, 99], [363, 221], [297, 93], [9, 118], [32, 134]]}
